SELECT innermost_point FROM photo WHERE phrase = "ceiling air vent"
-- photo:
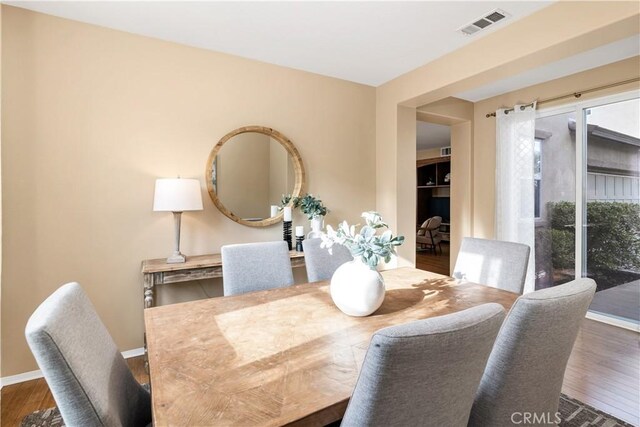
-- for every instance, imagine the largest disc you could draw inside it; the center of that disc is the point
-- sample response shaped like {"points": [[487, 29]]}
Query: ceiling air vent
{"points": [[484, 22]]}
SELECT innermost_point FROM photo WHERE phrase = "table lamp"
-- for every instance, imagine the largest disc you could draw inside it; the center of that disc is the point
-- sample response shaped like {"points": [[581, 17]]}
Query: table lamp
{"points": [[177, 195]]}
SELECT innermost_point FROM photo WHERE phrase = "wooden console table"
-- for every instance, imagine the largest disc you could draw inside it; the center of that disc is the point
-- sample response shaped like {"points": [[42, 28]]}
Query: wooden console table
{"points": [[199, 267]]}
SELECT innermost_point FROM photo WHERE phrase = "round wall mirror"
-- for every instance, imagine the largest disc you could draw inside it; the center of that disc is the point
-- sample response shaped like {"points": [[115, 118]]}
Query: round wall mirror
{"points": [[249, 170]]}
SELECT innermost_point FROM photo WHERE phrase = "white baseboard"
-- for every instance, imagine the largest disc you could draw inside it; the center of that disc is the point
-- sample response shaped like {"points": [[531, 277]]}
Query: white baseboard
{"points": [[613, 321], [34, 375], [133, 353], [14, 379]]}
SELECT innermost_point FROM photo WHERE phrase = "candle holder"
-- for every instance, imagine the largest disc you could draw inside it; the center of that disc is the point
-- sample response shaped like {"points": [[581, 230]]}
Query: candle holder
{"points": [[286, 233], [299, 240]]}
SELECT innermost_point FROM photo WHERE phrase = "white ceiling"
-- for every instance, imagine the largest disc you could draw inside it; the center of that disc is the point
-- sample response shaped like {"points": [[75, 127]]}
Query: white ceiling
{"points": [[617, 51], [431, 135], [367, 42]]}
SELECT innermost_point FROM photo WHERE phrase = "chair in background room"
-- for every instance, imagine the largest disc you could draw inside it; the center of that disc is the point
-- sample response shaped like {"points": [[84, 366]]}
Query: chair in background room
{"points": [[88, 377], [494, 263], [525, 370], [321, 262], [424, 372], [429, 234], [253, 267]]}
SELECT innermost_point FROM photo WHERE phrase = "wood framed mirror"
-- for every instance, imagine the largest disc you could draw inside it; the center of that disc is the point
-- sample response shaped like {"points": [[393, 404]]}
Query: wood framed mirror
{"points": [[249, 170]]}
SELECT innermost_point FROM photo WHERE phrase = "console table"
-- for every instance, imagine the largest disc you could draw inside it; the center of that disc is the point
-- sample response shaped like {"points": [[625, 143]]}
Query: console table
{"points": [[199, 267]]}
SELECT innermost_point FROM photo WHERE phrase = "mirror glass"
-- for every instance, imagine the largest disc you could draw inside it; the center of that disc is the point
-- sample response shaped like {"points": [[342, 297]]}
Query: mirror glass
{"points": [[249, 171]]}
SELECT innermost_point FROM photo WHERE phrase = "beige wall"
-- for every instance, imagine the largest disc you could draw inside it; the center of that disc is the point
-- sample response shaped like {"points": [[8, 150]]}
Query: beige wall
{"points": [[462, 185], [0, 191], [407, 212], [533, 41], [91, 117], [484, 159], [429, 153]]}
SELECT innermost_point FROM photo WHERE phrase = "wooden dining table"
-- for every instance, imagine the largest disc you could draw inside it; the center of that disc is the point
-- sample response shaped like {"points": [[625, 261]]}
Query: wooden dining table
{"points": [[285, 356]]}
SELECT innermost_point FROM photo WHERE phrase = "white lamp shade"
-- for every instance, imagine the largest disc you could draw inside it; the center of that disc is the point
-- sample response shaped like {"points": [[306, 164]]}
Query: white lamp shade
{"points": [[177, 195]]}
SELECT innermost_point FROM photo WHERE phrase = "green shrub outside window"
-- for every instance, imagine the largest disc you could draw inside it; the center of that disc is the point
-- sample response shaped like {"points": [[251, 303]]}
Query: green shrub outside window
{"points": [[613, 235]]}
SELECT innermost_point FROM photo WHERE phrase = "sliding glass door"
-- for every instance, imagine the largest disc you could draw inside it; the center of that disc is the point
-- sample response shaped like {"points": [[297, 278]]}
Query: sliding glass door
{"points": [[587, 178], [611, 208]]}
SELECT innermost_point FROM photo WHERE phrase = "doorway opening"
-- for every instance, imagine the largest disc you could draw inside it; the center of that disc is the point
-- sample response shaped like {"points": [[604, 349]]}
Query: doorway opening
{"points": [[433, 196]]}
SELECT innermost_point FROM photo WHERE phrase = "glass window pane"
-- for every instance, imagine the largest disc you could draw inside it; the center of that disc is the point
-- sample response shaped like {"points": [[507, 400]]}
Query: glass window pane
{"points": [[555, 204], [612, 237]]}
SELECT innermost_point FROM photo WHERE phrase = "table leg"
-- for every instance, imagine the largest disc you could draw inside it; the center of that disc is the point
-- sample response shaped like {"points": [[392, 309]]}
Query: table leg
{"points": [[149, 282], [148, 290]]}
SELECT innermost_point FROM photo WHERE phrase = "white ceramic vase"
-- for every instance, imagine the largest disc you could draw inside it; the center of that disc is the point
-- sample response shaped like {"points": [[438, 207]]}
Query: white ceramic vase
{"points": [[316, 227], [356, 289]]}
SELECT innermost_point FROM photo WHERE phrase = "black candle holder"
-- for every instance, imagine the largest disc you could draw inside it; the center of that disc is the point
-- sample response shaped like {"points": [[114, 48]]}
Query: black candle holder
{"points": [[286, 233], [299, 240]]}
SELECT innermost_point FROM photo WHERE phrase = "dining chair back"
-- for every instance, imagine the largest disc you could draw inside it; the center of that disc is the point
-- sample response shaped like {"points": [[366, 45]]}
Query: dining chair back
{"points": [[525, 370], [253, 267], [494, 263], [424, 372], [88, 377], [321, 262]]}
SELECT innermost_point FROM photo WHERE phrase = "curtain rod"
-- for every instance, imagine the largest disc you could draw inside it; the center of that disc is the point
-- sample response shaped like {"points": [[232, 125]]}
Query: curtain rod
{"points": [[574, 94]]}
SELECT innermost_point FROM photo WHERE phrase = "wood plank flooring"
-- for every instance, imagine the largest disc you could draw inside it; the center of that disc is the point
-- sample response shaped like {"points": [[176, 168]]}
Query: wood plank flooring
{"points": [[603, 371], [19, 400], [438, 263]]}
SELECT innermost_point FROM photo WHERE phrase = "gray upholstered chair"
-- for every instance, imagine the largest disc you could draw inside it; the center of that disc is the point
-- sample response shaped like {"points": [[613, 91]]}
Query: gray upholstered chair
{"points": [[493, 263], [429, 234], [322, 262], [424, 372], [90, 381], [255, 267], [526, 367]]}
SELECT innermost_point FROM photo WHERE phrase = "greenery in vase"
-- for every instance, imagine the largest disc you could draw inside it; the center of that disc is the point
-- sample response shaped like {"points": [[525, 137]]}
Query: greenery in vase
{"points": [[367, 244], [309, 205]]}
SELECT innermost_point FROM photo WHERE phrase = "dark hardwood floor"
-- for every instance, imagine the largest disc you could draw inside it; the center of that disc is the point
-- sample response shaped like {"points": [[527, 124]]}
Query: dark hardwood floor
{"points": [[437, 263], [19, 400], [603, 371]]}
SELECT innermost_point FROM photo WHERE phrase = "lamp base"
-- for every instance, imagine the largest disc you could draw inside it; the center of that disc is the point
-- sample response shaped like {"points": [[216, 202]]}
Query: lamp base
{"points": [[176, 258]]}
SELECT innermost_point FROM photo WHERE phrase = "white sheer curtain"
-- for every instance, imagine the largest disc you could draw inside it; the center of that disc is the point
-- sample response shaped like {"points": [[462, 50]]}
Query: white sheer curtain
{"points": [[515, 215]]}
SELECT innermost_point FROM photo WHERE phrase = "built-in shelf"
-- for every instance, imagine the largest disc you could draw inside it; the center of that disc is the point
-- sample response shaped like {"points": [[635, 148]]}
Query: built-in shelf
{"points": [[433, 170]]}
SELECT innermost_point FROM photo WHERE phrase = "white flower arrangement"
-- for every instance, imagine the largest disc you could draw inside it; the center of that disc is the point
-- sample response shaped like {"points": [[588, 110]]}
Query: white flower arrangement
{"points": [[366, 245]]}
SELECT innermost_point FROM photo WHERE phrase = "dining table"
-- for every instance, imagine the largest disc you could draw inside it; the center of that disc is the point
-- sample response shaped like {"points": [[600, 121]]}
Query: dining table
{"points": [[284, 356]]}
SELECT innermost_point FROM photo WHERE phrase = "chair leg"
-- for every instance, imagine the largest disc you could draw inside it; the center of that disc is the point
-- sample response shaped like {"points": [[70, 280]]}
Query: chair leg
{"points": [[440, 244]]}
